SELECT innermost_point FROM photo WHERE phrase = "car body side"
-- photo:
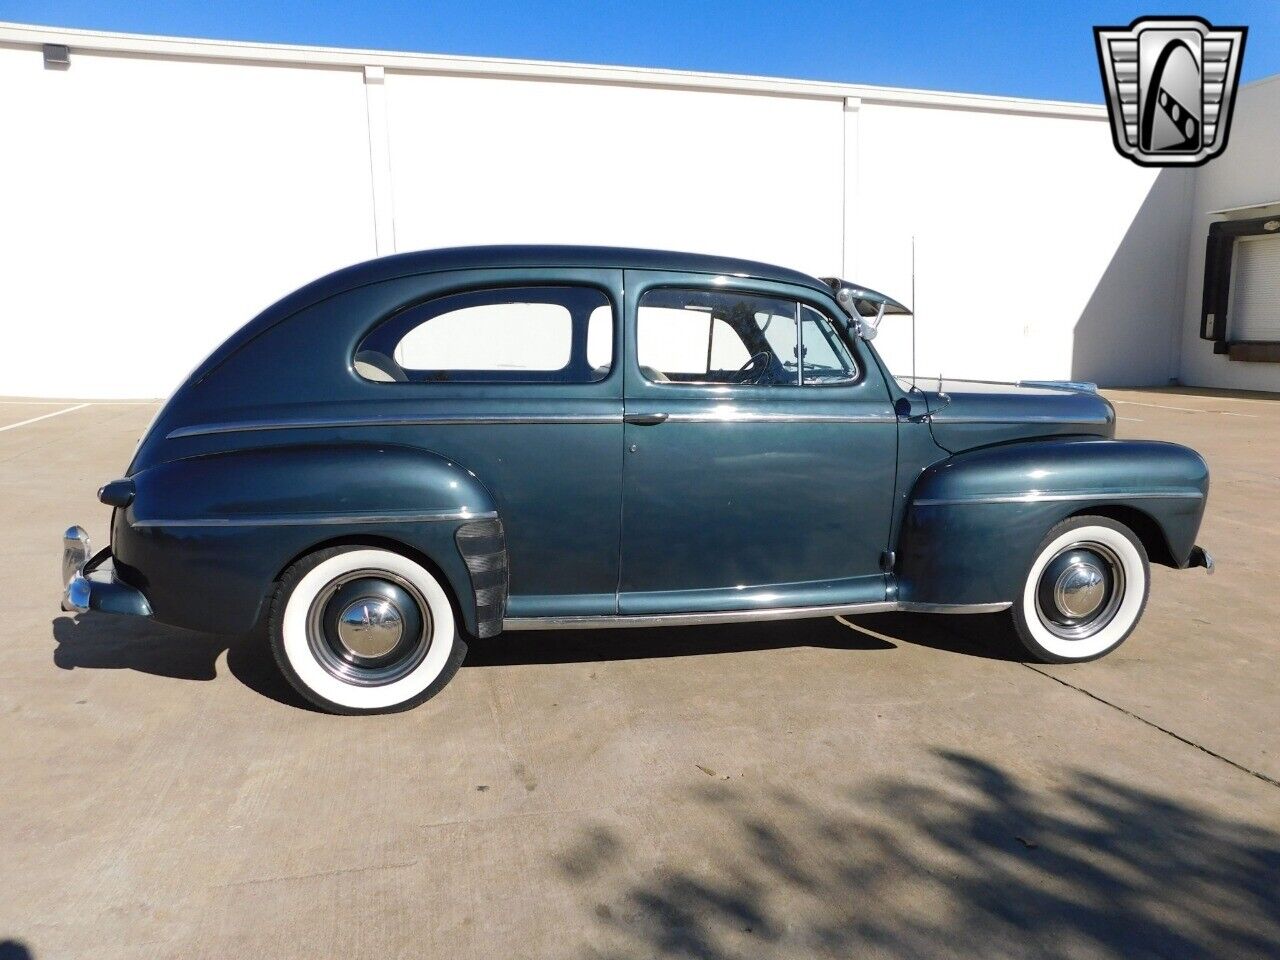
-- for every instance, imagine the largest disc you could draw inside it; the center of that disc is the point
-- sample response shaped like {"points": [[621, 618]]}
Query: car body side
{"points": [[276, 447]]}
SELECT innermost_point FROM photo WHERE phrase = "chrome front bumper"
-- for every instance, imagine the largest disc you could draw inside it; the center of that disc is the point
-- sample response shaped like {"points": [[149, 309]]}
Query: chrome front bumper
{"points": [[90, 581]]}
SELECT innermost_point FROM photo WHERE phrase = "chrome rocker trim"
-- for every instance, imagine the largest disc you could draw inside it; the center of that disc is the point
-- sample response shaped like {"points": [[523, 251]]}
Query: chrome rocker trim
{"points": [[743, 616]]}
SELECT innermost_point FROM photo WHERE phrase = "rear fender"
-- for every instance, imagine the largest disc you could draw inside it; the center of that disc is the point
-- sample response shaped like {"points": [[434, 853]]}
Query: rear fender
{"points": [[205, 538], [974, 520]]}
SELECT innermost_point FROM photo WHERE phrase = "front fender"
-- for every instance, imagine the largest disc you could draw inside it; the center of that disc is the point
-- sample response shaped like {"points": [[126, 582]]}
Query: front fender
{"points": [[204, 538], [974, 520]]}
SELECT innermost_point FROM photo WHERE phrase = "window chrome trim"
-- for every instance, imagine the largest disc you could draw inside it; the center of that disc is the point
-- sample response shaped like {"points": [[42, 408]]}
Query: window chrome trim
{"points": [[300, 520], [313, 423], [1035, 497], [852, 378], [855, 377], [498, 291], [740, 616]]}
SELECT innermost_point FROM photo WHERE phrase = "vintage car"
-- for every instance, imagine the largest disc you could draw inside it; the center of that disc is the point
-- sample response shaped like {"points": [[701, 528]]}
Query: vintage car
{"points": [[455, 443]]}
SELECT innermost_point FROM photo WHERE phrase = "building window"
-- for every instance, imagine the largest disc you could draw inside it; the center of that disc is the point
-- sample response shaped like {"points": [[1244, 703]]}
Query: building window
{"points": [[1240, 312], [1253, 308]]}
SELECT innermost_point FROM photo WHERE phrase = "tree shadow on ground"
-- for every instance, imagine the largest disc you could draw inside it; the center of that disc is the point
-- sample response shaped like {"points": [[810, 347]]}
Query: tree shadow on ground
{"points": [[97, 642], [971, 863]]}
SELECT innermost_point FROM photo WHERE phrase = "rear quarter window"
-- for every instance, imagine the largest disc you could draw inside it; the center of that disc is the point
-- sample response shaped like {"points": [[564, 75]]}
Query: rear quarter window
{"points": [[554, 334]]}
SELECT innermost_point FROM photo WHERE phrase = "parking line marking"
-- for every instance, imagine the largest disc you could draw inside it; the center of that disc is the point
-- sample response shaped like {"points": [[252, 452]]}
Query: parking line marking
{"points": [[57, 403], [1162, 406], [56, 413]]}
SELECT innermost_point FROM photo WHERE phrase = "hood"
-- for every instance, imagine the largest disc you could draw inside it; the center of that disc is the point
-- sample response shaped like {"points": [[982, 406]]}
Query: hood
{"points": [[965, 414]]}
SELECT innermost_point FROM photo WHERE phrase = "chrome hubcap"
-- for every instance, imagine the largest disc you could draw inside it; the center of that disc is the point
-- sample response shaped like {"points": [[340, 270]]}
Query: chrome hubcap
{"points": [[371, 627], [1080, 590]]}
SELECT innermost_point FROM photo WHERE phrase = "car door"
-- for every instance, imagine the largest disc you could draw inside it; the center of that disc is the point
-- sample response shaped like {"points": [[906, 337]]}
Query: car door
{"points": [[516, 375], [760, 450]]}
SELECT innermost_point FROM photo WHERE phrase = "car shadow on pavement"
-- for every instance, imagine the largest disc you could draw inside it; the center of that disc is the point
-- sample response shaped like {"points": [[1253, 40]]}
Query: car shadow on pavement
{"points": [[97, 642], [980, 636], [644, 643], [957, 857], [988, 636]]}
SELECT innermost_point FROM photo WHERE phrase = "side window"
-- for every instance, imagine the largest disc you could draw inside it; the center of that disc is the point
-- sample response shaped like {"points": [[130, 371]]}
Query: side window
{"points": [[510, 335], [706, 336], [825, 359]]}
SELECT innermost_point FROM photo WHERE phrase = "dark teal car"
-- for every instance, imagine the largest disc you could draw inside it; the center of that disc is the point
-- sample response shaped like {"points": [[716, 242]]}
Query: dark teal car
{"points": [[456, 443]]}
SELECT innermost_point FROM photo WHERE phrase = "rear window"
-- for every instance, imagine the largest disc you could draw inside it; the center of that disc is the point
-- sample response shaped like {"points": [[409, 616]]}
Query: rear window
{"points": [[558, 334]]}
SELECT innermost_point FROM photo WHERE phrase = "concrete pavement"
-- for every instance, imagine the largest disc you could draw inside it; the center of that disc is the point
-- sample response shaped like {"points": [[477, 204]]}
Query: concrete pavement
{"points": [[896, 786]]}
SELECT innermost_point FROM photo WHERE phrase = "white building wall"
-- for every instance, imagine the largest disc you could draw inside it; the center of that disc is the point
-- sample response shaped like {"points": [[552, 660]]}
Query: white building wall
{"points": [[1039, 253], [159, 193], [150, 207], [477, 160], [1246, 179]]}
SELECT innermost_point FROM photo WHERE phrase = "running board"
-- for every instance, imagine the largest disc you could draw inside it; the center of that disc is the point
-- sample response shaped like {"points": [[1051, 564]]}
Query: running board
{"points": [[743, 616]]}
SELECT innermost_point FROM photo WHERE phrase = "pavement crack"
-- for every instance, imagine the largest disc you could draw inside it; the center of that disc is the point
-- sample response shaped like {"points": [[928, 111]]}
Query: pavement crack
{"points": [[337, 871], [1167, 732]]}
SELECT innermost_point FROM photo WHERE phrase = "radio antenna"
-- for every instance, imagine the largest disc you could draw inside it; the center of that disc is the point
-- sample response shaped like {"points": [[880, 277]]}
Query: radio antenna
{"points": [[913, 310]]}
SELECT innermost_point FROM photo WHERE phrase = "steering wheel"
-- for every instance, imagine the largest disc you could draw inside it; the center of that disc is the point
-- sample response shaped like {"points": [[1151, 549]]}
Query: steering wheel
{"points": [[760, 360]]}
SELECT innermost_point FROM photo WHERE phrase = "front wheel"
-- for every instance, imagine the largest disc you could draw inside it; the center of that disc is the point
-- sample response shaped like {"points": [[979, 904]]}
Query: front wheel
{"points": [[1084, 593], [364, 630]]}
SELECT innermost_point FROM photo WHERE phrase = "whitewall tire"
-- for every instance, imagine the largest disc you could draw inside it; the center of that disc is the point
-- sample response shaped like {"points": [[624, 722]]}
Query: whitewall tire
{"points": [[1084, 593], [364, 630]]}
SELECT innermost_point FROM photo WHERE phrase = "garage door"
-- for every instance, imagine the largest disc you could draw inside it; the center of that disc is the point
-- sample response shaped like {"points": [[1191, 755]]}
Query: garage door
{"points": [[1255, 289]]}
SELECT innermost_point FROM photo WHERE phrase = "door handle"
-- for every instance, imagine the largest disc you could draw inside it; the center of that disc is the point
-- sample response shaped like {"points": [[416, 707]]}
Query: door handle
{"points": [[645, 419]]}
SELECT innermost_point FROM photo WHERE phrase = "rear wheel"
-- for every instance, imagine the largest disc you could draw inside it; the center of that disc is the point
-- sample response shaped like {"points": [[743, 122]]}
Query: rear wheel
{"points": [[364, 630], [1084, 593]]}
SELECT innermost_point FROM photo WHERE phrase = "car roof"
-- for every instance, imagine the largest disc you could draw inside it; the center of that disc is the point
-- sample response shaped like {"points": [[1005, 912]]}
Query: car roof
{"points": [[447, 259], [548, 255]]}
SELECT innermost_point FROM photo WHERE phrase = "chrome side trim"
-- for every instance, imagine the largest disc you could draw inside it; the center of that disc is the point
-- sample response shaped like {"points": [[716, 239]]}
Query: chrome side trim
{"points": [[741, 616], [1050, 497], [1029, 418], [1083, 386], [314, 423], [298, 520], [749, 417]]}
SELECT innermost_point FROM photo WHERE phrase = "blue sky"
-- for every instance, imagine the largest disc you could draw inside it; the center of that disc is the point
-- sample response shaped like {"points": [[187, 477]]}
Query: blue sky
{"points": [[1030, 48]]}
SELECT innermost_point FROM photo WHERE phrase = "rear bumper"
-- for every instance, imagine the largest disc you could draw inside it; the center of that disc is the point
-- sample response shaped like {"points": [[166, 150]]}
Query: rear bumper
{"points": [[90, 581]]}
